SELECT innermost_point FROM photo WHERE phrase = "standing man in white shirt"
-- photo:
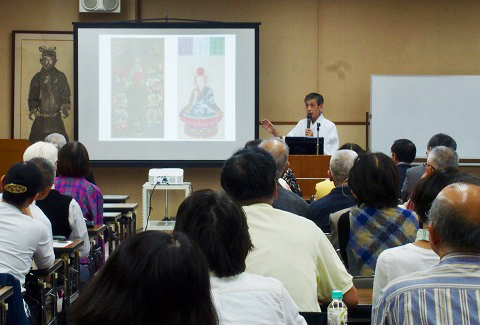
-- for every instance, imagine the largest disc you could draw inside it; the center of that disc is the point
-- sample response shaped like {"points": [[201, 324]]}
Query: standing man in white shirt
{"points": [[328, 130]]}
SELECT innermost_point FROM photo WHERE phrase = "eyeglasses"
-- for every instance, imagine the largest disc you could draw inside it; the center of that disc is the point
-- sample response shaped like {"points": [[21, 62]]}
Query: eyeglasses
{"points": [[428, 165]]}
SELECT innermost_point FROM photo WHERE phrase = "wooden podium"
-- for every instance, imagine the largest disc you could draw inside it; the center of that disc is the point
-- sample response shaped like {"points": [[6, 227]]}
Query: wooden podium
{"points": [[11, 151], [309, 170]]}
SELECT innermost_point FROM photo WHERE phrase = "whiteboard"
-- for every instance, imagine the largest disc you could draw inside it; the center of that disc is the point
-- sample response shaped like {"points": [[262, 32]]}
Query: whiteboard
{"points": [[417, 107]]}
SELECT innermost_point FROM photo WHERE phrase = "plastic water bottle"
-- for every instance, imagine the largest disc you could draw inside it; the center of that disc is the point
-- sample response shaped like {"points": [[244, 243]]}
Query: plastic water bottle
{"points": [[337, 311]]}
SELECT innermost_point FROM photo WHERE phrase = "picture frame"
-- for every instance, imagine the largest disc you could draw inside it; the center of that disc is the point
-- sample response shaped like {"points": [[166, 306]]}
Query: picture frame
{"points": [[43, 84]]}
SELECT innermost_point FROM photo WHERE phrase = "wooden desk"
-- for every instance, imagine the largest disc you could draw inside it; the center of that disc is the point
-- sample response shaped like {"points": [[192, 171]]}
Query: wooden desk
{"points": [[5, 292], [97, 255], [45, 276], [115, 198], [112, 218], [71, 290], [129, 217], [364, 296], [309, 170]]}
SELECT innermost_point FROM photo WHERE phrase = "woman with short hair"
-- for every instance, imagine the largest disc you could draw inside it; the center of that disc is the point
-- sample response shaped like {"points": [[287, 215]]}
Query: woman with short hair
{"points": [[376, 223], [219, 226], [73, 165], [151, 278]]}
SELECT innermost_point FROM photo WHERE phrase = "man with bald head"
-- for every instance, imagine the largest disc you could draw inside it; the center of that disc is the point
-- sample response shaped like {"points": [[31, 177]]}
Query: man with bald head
{"points": [[286, 200], [449, 292]]}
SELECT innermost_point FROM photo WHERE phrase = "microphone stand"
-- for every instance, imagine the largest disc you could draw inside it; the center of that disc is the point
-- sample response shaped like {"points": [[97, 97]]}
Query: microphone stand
{"points": [[318, 138]]}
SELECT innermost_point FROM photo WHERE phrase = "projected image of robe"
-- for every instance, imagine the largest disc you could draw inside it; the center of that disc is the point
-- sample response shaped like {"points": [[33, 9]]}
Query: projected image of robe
{"points": [[137, 88], [201, 115]]}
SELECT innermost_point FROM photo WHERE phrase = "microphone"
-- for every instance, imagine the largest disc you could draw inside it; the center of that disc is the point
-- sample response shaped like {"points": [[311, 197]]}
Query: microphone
{"points": [[309, 120]]}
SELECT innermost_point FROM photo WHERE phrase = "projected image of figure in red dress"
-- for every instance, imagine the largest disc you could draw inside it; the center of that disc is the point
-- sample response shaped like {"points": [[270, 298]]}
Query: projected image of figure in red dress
{"points": [[201, 115]]}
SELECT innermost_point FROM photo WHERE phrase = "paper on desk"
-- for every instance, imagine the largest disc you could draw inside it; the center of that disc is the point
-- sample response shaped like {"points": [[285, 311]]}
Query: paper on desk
{"points": [[61, 244]]}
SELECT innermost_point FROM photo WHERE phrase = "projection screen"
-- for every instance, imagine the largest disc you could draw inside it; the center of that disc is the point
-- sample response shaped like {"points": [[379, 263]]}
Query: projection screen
{"points": [[165, 94]]}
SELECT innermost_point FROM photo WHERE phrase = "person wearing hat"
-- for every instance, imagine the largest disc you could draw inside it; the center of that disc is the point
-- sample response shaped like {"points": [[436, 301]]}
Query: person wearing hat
{"points": [[48, 98]]}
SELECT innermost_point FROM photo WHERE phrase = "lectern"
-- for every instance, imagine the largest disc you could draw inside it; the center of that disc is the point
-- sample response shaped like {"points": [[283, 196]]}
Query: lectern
{"points": [[11, 151], [309, 170]]}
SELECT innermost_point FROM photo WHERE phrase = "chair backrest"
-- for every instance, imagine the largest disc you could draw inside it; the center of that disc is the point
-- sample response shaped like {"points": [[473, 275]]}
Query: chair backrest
{"points": [[314, 318], [16, 311], [334, 226], [363, 282]]}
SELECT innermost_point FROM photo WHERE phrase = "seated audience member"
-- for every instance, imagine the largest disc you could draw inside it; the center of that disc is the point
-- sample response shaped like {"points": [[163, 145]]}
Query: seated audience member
{"points": [[353, 146], [417, 256], [218, 225], [376, 223], [23, 239], [448, 293], [340, 197], [73, 164], [440, 158], [53, 205], [58, 140], [414, 174], [325, 187], [286, 200], [403, 154], [287, 247], [288, 180], [48, 152], [63, 211], [151, 278]]}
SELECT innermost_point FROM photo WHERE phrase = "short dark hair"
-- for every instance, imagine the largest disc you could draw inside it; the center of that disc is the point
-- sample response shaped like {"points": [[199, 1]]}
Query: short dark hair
{"points": [[404, 149], [442, 139], [22, 182], [252, 143], [353, 146], [428, 188], [375, 181], [316, 96], [73, 160], [219, 226], [249, 174], [46, 168], [151, 278]]}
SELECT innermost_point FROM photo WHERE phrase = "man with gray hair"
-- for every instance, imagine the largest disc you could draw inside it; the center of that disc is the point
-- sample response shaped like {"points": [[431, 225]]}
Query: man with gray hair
{"points": [[450, 291], [57, 139], [286, 200], [340, 197], [441, 158]]}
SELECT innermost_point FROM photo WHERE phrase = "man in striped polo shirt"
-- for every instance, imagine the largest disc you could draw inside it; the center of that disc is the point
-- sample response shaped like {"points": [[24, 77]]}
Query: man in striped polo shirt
{"points": [[449, 293]]}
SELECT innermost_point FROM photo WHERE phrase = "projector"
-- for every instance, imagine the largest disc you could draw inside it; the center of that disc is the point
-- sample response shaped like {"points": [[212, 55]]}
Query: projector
{"points": [[165, 176]]}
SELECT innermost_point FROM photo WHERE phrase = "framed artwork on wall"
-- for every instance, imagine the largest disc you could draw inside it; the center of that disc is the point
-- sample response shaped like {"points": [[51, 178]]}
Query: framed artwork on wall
{"points": [[42, 84]]}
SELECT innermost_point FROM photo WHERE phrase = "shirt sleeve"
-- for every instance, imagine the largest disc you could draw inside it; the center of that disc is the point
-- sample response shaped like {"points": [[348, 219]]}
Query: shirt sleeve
{"points": [[331, 140], [332, 274], [292, 317], [79, 227], [298, 130], [44, 255], [380, 312], [380, 280]]}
